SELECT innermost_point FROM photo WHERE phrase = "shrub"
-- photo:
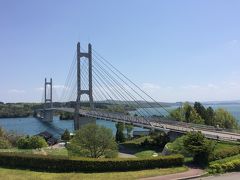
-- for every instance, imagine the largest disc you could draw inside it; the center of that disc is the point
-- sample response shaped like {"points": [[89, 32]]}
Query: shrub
{"points": [[61, 164], [225, 165], [159, 139], [23, 143], [66, 135], [4, 143], [226, 152], [13, 138], [177, 146], [37, 142], [119, 133], [197, 145], [33, 142], [92, 141]]}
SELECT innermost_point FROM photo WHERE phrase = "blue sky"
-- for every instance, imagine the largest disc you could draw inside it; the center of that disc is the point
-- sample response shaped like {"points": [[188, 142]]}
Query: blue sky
{"points": [[175, 50]]}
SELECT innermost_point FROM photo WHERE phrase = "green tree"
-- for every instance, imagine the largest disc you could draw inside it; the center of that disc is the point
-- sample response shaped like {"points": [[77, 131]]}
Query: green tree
{"points": [[159, 139], [187, 108], [197, 145], [92, 141], [33, 142], [200, 109], [66, 135], [224, 119], [2, 132], [129, 129], [23, 143], [119, 134], [195, 117], [177, 114], [187, 114], [210, 116], [37, 142], [4, 143]]}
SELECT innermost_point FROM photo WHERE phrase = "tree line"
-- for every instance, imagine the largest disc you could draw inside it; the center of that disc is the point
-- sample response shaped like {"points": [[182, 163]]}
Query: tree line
{"points": [[198, 114]]}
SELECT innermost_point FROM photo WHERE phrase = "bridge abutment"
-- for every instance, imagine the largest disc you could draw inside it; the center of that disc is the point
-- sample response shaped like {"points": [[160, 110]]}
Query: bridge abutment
{"points": [[174, 135]]}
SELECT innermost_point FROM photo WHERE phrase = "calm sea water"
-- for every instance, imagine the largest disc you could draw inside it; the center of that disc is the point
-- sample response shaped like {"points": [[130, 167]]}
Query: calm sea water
{"points": [[32, 126]]}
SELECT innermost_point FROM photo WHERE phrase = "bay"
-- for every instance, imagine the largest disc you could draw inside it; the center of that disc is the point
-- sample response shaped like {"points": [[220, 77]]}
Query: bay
{"points": [[33, 126]]}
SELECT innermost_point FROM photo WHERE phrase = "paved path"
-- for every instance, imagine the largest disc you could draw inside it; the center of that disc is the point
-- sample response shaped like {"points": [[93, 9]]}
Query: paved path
{"points": [[188, 174], [229, 176]]}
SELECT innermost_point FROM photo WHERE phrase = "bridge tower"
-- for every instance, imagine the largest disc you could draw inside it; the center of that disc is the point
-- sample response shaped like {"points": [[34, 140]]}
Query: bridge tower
{"points": [[48, 104], [78, 121]]}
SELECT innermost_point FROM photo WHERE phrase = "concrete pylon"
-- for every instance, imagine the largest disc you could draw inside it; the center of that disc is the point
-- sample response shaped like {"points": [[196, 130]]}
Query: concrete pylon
{"points": [[80, 91], [48, 104]]}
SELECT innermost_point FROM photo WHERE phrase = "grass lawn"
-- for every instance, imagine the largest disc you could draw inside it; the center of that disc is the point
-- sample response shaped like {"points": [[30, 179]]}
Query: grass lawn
{"points": [[145, 154], [57, 152], [134, 147], [29, 175], [223, 145], [44, 151]]}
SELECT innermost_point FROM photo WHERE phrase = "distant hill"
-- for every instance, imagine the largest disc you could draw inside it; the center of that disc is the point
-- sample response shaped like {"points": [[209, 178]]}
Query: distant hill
{"points": [[221, 102]]}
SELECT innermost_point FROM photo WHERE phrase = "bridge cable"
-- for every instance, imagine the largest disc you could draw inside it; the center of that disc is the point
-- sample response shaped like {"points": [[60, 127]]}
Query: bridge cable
{"points": [[132, 99], [132, 88], [129, 80]]}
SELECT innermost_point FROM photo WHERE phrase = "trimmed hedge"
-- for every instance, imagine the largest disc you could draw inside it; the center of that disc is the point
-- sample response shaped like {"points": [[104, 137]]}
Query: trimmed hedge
{"points": [[227, 152], [60, 164], [225, 165]]}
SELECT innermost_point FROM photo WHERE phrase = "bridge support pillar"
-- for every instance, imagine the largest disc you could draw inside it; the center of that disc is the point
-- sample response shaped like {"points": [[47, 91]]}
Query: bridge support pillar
{"points": [[77, 119], [81, 121], [48, 115], [48, 104]]}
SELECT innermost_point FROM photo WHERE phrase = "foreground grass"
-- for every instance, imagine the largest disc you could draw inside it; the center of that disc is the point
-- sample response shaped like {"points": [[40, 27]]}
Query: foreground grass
{"points": [[134, 147], [29, 175], [145, 154], [57, 152], [44, 151]]}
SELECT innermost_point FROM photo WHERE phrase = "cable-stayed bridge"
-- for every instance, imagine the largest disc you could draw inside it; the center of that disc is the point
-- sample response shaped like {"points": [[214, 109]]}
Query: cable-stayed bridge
{"points": [[92, 79]]}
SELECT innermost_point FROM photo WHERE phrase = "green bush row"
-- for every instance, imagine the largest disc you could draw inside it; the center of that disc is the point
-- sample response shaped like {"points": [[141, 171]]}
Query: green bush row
{"points": [[225, 165], [60, 164], [226, 152]]}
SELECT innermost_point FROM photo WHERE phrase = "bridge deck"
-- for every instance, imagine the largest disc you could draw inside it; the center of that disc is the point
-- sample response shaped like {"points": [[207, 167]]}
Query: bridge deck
{"points": [[159, 124]]}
